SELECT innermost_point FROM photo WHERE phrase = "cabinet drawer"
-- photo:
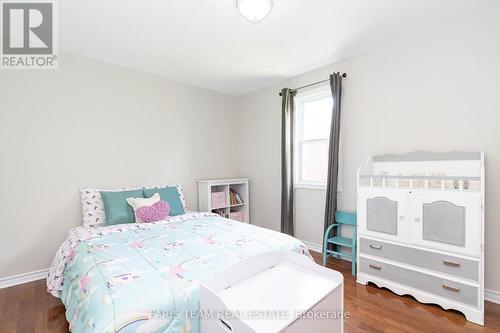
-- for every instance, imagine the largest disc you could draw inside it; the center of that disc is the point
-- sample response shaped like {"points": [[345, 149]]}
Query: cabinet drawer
{"points": [[456, 266], [435, 285]]}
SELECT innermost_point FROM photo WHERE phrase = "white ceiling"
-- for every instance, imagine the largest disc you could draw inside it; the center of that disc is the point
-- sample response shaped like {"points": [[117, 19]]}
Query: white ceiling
{"points": [[207, 43]]}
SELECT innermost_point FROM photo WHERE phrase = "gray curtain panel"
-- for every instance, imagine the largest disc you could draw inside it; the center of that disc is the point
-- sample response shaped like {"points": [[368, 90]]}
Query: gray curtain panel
{"points": [[287, 161], [333, 151]]}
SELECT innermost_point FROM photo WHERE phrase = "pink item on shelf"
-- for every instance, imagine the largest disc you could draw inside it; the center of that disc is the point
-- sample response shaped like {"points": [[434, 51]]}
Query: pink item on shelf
{"points": [[157, 212], [218, 199], [237, 216]]}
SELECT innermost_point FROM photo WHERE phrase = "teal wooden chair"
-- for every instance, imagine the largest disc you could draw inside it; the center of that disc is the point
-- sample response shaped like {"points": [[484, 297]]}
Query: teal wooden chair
{"points": [[341, 218]]}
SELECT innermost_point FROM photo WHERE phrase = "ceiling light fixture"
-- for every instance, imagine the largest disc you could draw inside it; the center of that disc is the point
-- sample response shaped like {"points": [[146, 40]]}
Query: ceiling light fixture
{"points": [[254, 10]]}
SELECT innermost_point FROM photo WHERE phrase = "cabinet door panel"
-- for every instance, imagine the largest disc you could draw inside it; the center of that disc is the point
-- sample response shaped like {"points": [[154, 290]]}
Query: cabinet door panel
{"points": [[382, 215], [444, 222], [447, 221]]}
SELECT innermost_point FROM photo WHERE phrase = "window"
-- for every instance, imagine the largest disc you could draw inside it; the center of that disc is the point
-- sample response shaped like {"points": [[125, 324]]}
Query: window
{"points": [[312, 134]]}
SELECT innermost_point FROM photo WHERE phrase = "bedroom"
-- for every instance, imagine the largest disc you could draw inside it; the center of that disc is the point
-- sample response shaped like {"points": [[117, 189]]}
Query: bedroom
{"points": [[181, 92]]}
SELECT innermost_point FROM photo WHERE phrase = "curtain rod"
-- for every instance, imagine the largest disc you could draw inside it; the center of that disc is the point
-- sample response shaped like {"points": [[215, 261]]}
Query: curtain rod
{"points": [[313, 84]]}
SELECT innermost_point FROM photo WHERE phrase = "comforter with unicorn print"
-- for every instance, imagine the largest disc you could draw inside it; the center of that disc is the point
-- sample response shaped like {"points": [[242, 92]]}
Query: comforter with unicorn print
{"points": [[145, 277]]}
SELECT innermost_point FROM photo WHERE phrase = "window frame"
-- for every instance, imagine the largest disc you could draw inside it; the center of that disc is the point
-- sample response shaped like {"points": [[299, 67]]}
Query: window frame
{"points": [[301, 98]]}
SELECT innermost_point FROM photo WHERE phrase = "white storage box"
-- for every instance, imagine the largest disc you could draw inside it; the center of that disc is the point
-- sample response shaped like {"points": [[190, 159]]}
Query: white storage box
{"points": [[273, 292]]}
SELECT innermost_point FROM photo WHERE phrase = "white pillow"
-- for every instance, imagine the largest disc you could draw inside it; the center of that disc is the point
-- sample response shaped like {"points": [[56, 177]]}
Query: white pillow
{"points": [[93, 207], [137, 203]]}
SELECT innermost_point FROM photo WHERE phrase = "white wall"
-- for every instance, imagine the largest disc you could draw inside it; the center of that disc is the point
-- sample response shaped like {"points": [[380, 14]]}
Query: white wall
{"points": [[438, 91], [94, 124]]}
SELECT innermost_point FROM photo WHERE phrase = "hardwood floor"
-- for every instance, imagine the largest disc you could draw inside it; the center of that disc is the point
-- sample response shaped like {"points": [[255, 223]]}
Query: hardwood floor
{"points": [[29, 308]]}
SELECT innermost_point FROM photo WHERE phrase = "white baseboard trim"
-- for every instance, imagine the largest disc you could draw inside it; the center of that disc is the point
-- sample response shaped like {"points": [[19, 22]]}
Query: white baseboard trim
{"points": [[492, 296], [318, 248], [14, 280], [313, 247]]}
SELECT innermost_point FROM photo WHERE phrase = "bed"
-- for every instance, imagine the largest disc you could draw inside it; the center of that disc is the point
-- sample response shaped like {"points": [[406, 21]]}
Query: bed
{"points": [[144, 277]]}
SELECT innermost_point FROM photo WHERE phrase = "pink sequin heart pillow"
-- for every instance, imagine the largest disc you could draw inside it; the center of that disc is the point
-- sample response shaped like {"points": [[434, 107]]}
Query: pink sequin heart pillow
{"points": [[157, 212]]}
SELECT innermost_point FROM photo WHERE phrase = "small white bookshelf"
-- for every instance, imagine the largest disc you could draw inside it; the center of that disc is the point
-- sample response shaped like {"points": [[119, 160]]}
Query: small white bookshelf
{"points": [[226, 197]]}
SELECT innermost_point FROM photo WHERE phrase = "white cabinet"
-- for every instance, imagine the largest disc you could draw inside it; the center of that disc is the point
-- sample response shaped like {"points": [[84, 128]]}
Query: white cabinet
{"points": [[421, 228]]}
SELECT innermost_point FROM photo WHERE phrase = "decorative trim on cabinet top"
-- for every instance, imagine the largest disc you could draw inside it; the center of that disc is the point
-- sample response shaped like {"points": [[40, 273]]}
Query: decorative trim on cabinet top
{"points": [[428, 156]]}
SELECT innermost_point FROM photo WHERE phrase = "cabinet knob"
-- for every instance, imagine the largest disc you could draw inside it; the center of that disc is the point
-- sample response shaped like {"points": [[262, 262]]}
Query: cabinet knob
{"points": [[417, 219], [451, 288], [378, 268], [401, 218], [451, 263]]}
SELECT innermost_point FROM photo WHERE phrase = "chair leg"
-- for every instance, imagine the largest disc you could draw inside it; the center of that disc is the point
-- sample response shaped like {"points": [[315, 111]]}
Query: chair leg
{"points": [[325, 254], [353, 268]]}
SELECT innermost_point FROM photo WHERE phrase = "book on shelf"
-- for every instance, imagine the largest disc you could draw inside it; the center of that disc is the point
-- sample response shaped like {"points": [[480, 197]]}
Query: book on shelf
{"points": [[234, 198]]}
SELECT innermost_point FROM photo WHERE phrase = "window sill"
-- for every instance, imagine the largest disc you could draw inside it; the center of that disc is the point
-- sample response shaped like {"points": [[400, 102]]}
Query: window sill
{"points": [[313, 187]]}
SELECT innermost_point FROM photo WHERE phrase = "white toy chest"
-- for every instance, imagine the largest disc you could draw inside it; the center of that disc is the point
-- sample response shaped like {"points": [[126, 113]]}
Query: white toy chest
{"points": [[273, 292]]}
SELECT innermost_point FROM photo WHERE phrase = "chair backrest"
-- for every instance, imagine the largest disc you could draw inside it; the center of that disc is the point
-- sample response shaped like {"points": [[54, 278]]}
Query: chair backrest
{"points": [[345, 218]]}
